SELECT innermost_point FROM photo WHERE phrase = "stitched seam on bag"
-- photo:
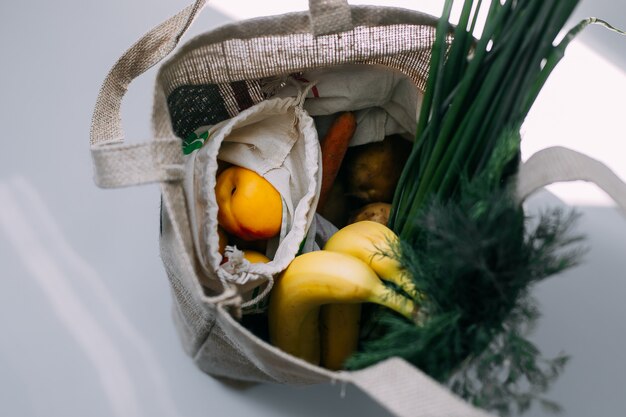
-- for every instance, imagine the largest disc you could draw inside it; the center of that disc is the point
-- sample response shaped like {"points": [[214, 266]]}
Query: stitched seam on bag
{"points": [[233, 343], [204, 340], [184, 294], [198, 342]]}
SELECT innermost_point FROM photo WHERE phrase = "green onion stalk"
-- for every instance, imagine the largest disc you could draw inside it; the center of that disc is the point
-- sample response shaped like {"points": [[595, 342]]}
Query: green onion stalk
{"points": [[476, 90]]}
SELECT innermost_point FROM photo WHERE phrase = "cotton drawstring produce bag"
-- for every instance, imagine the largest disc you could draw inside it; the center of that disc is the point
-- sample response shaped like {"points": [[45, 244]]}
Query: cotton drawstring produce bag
{"points": [[245, 94]]}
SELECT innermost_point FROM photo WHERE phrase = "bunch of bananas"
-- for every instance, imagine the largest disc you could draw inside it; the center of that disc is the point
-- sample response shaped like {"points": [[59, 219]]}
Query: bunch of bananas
{"points": [[315, 305]]}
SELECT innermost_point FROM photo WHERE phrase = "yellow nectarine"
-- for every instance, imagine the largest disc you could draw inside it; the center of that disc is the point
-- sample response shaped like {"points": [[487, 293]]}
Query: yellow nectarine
{"points": [[249, 205]]}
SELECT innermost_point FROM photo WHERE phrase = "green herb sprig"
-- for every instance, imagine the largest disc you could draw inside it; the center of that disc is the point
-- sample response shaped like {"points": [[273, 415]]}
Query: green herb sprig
{"points": [[474, 262]]}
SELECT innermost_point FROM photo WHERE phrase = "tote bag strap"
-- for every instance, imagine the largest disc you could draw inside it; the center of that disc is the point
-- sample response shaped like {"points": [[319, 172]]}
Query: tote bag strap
{"points": [[117, 164], [559, 164], [408, 392], [329, 16]]}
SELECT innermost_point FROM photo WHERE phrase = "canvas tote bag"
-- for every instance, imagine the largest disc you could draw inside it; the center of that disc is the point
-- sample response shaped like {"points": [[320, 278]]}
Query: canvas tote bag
{"points": [[215, 78]]}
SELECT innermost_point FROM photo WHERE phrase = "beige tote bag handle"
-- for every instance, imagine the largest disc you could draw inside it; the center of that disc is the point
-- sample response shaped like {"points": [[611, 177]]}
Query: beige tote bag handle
{"points": [[117, 164], [559, 164], [408, 392]]}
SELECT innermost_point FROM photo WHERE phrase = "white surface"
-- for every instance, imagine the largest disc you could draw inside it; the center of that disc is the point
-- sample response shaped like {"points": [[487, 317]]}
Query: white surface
{"points": [[85, 328]]}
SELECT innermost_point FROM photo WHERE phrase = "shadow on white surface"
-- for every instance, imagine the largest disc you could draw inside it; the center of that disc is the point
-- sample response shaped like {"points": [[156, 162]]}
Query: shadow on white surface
{"points": [[44, 252]]}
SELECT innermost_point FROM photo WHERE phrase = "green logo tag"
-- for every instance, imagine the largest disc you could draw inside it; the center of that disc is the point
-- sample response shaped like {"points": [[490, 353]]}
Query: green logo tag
{"points": [[194, 141]]}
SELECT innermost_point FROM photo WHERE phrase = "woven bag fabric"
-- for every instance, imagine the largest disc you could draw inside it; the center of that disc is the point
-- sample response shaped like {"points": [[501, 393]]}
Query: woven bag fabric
{"points": [[215, 77], [218, 74]]}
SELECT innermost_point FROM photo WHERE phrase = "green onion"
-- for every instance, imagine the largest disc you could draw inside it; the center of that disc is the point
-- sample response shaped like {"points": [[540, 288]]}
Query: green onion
{"points": [[476, 90]]}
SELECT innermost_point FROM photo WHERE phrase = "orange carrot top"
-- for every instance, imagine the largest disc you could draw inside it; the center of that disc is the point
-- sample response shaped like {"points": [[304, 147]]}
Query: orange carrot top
{"points": [[334, 146]]}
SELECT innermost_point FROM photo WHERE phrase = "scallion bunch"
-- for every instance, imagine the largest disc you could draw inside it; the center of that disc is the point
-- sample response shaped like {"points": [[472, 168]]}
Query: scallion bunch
{"points": [[478, 89]]}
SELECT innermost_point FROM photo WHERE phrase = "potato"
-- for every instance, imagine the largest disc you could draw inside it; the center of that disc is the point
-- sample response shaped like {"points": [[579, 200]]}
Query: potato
{"points": [[372, 170], [376, 212]]}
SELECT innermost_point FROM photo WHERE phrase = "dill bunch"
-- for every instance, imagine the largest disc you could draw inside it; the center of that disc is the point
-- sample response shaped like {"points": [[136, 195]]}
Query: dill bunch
{"points": [[475, 261]]}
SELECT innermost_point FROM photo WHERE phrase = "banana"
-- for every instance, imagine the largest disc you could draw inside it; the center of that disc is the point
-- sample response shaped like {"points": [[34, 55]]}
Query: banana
{"points": [[339, 333], [312, 280], [339, 323], [372, 243]]}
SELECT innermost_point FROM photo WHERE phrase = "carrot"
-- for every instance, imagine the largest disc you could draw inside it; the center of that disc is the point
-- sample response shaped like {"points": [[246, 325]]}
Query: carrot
{"points": [[334, 146]]}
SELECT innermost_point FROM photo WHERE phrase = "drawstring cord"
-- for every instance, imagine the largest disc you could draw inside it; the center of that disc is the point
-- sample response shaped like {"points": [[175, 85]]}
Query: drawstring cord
{"points": [[236, 270]]}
